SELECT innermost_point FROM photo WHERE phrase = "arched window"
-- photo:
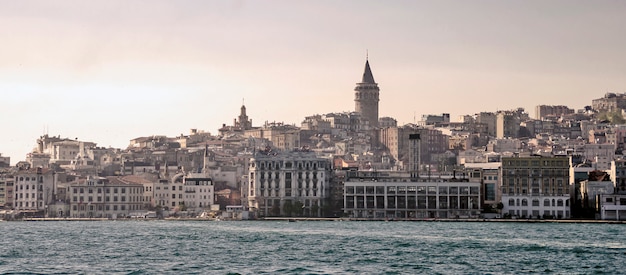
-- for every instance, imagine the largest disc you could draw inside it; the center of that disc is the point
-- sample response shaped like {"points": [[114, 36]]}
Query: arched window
{"points": [[524, 202], [546, 202], [511, 202]]}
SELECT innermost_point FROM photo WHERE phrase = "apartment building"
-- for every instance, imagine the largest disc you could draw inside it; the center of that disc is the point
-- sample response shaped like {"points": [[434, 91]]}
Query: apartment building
{"points": [[535, 187], [279, 180], [34, 189], [99, 197]]}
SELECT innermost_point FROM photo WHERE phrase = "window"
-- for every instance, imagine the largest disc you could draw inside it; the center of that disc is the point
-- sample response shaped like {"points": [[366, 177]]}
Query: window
{"points": [[490, 191], [511, 202]]}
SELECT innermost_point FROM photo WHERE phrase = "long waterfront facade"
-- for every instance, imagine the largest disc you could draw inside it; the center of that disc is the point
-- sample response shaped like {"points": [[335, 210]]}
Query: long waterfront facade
{"points": [[393, 195]]}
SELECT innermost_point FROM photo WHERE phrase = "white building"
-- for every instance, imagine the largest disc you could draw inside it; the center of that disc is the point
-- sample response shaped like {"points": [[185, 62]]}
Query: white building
{"points": [[279, 180], [589, 191], [168, 193], [391, 195], [34, 189], [612, 207], [198, 192], [110, 197]]}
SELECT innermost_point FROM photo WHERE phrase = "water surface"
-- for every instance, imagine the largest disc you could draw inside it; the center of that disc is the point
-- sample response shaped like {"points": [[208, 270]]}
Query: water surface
{"points": [[327, 247]]}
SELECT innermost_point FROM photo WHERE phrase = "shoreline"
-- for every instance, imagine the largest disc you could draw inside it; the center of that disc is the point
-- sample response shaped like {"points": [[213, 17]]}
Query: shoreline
{"points": [[300, 219]]}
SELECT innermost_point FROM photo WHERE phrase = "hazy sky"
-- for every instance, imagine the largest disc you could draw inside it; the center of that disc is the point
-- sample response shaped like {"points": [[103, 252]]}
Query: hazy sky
{"points": [[110, 71]]}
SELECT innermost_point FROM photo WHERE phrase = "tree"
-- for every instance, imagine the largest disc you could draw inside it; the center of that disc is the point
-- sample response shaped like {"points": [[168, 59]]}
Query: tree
{"points": [[613, 117], [287, 208], [314, 210], [500, 206], [298, 208]]}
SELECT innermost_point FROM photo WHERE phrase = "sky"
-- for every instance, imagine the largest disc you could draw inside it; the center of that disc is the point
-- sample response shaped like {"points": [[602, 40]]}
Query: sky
{"points": [[111, 71]]}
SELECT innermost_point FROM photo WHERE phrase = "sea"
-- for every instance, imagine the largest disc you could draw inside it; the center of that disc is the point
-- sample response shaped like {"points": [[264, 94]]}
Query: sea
{"points": [[310, 247]]}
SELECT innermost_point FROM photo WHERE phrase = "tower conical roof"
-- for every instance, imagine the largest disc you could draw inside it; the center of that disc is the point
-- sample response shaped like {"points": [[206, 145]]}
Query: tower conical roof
{"points": [[367, 74]]}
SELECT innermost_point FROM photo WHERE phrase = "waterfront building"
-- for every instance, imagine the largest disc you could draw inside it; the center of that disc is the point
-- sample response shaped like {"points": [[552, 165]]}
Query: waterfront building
{"points": [[7, 182], [579, 171], [287, 183], [535, 187], [487, 174], [591, 189], [168, 192], [34, 189], [612, 206], [100, 197], [366, 97], [149, 182], [397, 195], [199, 188]]}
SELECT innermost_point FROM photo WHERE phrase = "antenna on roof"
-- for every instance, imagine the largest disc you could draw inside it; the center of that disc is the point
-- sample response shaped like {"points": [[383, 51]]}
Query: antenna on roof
{"points": [[367, 55]]}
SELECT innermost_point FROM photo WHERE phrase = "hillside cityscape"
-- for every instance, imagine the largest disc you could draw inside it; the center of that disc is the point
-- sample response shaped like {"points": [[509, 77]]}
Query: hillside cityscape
{"points": [[562, 163]]}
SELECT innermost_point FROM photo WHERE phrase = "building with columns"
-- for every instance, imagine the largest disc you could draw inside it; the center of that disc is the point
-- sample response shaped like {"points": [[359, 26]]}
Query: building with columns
{"points": [[280, 181], [396, 195]]}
